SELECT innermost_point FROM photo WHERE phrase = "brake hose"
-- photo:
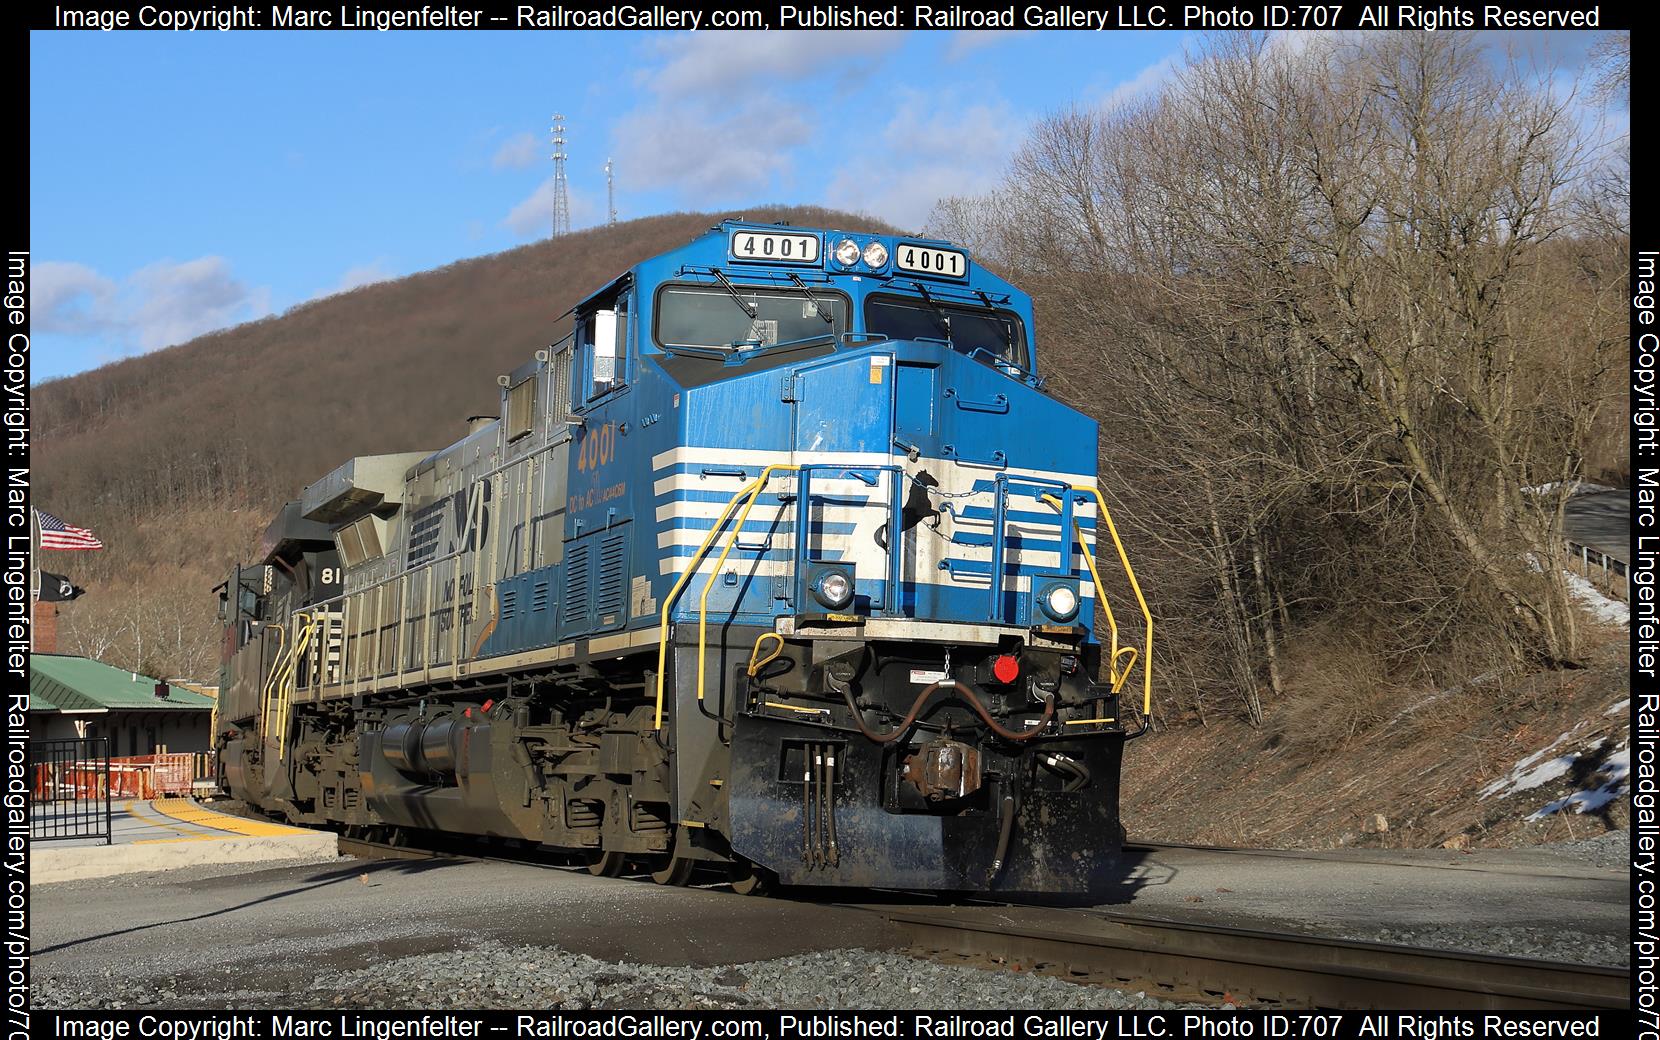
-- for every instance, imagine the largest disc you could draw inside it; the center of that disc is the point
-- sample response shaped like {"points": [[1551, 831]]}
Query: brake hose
{"points": [[1004, 830], [967, 694]]}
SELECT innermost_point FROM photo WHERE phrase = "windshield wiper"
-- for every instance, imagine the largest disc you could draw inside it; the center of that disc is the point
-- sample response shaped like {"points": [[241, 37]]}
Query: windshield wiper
{"points": [[942, 319], [732, 291], [823, 311], [997, 319]]}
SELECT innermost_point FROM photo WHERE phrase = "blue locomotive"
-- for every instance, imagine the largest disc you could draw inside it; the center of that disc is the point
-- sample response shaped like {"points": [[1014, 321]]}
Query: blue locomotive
{"points": [[781, 562]]}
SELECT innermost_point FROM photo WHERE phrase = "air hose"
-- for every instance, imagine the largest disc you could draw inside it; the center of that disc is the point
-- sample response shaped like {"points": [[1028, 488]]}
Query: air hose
{"points": [[1004, 830], [966, 693]]}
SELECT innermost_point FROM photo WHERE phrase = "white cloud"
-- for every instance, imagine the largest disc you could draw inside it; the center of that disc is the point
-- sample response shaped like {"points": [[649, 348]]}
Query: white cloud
{"points": [[933, 147], [172, 303], [364, 274], [710, 152], [519, 152], [69, 297], [718, 124], [966, 41], [1141, 84], [718, 63], [156, 306], [533, 216]]}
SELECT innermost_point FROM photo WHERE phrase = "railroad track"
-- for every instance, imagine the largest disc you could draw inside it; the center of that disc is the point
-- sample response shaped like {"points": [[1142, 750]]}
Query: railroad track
{"points": [[1207, 963], [1382, 858], [1215, 963]]}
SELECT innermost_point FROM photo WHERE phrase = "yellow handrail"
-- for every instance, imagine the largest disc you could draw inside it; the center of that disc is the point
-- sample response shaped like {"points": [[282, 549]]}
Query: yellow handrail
{"points": [[1100, 594], [753, 491], [714, 572], [280, 685], [268, 688], [285, 689], [1116, 677], [755, 651]]}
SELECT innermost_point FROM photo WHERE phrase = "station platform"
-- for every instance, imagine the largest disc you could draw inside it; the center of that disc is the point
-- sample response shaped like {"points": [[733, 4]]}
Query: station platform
{"points": [[166, 833]]}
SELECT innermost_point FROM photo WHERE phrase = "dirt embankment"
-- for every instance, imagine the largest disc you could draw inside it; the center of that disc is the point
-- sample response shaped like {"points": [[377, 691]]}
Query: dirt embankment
{"points": [[1503, 761]]}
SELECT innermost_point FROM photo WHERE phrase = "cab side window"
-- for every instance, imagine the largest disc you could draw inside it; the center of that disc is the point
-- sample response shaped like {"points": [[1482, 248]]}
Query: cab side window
{"points": [[604, 339]]}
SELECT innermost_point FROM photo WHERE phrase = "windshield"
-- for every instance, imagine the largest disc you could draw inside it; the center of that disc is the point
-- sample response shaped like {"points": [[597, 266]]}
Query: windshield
{"points": [[709, 316], [999, 332]]}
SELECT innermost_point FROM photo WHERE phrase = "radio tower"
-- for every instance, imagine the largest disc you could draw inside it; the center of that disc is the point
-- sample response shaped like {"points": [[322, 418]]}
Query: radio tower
{"points": [[610, 197], [561, 196]]}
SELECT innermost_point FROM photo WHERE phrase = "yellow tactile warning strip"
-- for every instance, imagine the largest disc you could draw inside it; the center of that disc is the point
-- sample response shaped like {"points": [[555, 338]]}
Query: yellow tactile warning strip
{"points": [[190, 833], [186, 811]]}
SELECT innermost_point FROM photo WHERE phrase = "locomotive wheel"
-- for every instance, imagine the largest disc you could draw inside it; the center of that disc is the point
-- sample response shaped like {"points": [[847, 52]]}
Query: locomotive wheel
{"points": [[749, 879], [606, 864], [677, 871]]}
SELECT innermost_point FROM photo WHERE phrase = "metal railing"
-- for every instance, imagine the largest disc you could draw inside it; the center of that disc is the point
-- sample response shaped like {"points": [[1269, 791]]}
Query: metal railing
{"points": [[747, 495], [70, 789], [1611, 569], [1116, 676]]}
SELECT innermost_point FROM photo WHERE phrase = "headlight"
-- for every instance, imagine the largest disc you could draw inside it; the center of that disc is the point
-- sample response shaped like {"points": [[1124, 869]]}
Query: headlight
{"points": [[876, 254], [847, 252], [1062, 602], [835, 590]]}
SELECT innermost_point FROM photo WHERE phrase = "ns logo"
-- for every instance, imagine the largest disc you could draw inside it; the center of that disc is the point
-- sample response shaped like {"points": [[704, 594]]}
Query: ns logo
{"points": [[472, 516], [468, 513]]}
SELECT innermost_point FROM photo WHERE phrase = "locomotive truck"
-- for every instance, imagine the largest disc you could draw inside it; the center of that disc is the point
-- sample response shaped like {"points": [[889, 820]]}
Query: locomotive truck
{"points": [[782, 562]]}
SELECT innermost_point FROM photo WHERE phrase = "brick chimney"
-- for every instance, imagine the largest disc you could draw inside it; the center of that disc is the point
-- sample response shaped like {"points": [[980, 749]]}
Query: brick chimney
{"points": [[46, 627]]}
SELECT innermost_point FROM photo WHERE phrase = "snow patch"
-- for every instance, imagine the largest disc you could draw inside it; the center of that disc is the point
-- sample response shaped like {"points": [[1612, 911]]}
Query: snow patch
{"points": [[1599, 606], [1577, 487], [1536, 769], [1618, 706], [1440, 695], [1613, 773]]}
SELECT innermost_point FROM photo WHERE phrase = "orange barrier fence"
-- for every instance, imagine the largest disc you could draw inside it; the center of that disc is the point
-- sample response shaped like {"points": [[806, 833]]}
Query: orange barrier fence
{"points": [[137, 776]]}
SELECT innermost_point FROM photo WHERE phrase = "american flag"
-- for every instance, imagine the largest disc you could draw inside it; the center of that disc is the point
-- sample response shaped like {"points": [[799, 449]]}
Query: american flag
{"points": [[55, 534]]}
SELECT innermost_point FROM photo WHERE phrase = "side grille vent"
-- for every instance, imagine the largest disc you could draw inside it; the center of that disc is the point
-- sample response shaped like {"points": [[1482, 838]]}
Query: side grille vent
{"points": [[613, 577], [577, 613]]}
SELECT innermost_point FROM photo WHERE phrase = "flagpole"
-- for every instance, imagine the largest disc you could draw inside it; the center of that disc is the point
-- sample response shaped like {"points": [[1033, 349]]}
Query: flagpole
{"points": [[34, 572]]}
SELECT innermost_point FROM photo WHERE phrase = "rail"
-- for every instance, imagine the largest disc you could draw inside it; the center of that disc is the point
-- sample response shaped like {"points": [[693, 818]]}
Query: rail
{"points": [[1207, 961], [280, 685], [747, 494], [1211, 961], [1116, 677], [1611, 566], [69, 794], [804, 519]]}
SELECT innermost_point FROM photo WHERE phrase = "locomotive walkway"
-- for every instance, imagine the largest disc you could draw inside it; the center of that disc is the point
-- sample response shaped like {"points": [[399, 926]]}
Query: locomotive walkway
{"points": [[168, 833]]}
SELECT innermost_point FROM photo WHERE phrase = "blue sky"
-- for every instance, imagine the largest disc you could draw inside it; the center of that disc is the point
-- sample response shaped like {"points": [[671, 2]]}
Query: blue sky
{"points": [[182, 182]]}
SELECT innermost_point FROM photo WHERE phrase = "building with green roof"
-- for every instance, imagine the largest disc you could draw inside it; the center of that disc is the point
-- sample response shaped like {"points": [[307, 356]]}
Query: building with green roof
{"points": [[79, 697]]}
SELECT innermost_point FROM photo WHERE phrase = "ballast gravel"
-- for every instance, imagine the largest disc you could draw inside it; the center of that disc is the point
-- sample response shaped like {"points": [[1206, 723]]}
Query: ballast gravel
{"points": [[496, 975], [1611, 849], [1545, 944]]}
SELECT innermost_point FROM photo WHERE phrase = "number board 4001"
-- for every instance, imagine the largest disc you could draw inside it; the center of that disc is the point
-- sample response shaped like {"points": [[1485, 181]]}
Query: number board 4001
{"points": [[774, 248], [927, 260]]}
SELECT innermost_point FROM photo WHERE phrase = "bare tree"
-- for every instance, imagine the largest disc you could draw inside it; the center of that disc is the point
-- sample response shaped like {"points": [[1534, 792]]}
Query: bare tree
{"points": [[1346, 347]]}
